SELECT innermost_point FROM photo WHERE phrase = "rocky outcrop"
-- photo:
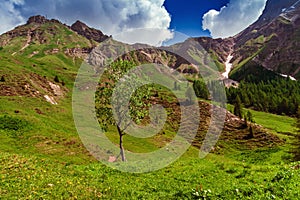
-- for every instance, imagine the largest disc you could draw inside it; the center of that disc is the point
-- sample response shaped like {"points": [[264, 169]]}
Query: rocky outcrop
{"points": [[89, 33], [78, 52], [37, 19]]}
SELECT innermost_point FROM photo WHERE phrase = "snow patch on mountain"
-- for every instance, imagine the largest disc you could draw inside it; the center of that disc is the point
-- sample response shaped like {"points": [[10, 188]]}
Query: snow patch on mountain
{"points": [[228, 66]]}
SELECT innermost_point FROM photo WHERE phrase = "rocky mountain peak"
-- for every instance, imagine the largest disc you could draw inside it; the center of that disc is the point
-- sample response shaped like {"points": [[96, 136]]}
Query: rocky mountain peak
{"points": [[80, 25], [90, 33], [37, 19]]}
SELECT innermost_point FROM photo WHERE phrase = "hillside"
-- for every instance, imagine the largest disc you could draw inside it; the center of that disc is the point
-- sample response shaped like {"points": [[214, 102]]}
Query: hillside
{"points": [[272, 44], [40, 59]]}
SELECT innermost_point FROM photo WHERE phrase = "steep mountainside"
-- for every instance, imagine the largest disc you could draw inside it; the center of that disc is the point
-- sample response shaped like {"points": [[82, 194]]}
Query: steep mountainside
{"points": [[272, 42], [40, 59]]}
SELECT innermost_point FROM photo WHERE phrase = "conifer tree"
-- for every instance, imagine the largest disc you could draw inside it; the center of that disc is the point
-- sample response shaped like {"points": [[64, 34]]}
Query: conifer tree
{"points": [[238, 110]]}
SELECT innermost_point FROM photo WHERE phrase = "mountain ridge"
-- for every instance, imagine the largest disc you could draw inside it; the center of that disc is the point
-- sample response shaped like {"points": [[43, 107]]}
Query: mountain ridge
{"points": [[270, 42]]}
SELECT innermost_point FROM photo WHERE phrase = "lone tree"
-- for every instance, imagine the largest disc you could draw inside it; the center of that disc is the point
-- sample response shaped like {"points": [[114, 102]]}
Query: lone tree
{"points": [[114, 111]]}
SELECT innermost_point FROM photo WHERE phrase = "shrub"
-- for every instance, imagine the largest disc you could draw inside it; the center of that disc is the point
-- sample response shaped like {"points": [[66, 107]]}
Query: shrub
{"points": [[12, 125]]}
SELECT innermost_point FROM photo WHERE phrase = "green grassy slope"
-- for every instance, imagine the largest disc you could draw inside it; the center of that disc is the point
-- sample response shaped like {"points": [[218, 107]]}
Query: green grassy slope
{"points": [[46, 159]]}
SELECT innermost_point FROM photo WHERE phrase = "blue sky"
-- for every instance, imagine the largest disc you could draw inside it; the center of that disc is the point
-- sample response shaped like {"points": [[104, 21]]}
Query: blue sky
{"points": [[194, 18], [187, 14]]}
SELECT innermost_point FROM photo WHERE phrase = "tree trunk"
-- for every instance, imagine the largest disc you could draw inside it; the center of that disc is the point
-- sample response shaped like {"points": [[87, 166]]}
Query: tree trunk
{"points": [[122, 151]]}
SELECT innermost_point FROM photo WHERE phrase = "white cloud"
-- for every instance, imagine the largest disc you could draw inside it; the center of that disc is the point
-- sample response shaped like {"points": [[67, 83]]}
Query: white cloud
{"points": [[110, 16], [9, 15], [152, 36], [233, 18]]}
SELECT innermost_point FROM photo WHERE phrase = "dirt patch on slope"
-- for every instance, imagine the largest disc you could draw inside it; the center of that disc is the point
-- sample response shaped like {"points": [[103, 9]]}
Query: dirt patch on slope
{"points": [[235, 132], [31, 85]]}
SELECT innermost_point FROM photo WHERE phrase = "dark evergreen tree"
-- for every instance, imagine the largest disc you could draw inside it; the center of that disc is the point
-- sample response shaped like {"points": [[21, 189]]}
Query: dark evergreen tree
{"points": [[251, 132], [2, 79], [250, 117], [200, 89], [238, 109], [56, 79]]}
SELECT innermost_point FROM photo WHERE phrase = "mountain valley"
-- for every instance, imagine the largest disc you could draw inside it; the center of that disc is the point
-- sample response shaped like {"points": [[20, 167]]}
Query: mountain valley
{"points": [[42, 155]]}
